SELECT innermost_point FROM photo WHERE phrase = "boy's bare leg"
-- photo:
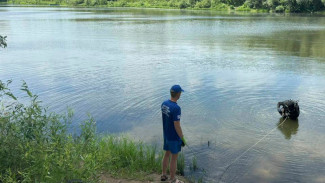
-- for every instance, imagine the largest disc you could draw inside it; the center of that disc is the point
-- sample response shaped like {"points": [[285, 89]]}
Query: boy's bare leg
{"points": [[173, 166], [165, 162]]}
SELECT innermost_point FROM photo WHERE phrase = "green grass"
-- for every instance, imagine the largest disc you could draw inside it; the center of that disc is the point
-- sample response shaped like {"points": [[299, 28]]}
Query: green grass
{"points": [[37, 147], [181, 164], [194, 164], [200, 180]]}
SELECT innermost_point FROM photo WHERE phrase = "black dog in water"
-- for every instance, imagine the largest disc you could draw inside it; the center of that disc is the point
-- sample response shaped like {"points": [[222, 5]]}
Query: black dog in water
{"points": [[289, 108]]}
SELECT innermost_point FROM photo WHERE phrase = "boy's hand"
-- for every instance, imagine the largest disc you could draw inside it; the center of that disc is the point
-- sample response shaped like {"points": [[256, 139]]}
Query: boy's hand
{"points": [[183, 141]]}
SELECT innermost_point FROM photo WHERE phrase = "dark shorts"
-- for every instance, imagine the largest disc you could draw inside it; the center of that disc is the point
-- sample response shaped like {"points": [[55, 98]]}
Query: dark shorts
{"points": [[173, 146]]}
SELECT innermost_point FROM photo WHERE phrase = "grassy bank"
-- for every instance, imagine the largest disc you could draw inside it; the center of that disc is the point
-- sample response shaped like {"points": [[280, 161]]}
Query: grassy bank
{"points": [[220, 5], [37, 147]]}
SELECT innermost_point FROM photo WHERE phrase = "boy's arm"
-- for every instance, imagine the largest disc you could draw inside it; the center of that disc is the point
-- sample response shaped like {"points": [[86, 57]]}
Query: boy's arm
{"points": [[178, 128]]}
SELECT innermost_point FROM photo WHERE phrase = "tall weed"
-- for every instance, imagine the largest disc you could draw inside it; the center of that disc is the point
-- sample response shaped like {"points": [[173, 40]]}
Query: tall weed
{"points": [[37, 147]]}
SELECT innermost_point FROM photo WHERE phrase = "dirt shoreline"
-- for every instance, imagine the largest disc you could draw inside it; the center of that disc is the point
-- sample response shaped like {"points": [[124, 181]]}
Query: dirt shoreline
{"points": [[152, 178]]}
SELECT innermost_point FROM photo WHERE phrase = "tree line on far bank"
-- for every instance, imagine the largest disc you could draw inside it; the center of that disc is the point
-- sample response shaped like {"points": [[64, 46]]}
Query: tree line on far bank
{"points": [[239, 5]]}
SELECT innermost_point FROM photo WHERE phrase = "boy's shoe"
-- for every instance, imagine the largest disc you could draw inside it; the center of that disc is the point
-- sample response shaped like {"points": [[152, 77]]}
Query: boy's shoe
{"points": [[163, 178]]}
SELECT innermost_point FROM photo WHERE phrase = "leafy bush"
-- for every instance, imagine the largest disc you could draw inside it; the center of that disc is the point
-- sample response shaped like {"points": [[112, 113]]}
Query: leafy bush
{"points": [[219, 5], [37, 147], [203, 4], [88, 2], [192, 2], [244, 7], [279, 9], [35, 144], [253, 4], [102, 2], [183, 4], [173, 3], [233, 2], [222, 7], [272, 3], [75, 2], [305, 5]]}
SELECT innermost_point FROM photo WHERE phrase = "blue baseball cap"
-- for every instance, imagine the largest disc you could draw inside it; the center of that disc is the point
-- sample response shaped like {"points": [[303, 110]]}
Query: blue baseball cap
{"points": [[176, 89]]}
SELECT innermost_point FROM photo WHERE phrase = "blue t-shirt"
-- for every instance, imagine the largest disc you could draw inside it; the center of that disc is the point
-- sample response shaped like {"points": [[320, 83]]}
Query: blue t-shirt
{"points": [[170, 112]]}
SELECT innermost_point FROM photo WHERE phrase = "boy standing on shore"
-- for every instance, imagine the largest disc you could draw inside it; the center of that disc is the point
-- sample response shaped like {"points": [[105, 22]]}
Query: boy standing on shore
{"points": [[173, 135]]}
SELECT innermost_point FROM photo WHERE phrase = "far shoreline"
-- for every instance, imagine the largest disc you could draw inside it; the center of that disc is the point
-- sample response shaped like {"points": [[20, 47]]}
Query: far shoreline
{"points": [[250, 11]]}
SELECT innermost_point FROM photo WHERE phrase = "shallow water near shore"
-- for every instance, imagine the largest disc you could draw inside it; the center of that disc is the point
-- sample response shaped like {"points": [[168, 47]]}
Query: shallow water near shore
{"points": [[118, 65]]}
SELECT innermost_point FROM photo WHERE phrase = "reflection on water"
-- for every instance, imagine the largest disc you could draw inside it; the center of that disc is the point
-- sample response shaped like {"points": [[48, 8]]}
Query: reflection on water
{"points": [[294, 42], [289, 127]]}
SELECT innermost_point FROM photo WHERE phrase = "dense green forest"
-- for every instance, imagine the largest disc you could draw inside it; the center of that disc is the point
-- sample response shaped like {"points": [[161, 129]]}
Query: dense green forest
{"points": [[238, 5]]}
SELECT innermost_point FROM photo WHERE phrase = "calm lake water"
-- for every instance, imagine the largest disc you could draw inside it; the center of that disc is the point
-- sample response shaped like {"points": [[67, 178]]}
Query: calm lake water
{"points": [[119, 64]]}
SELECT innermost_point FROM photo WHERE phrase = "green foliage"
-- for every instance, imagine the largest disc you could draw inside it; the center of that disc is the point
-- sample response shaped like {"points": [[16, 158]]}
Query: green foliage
{"points": [[233, 2], [173, 4], [95, 2], [184, 4], [191, 179], [203, 4], [244, 7], [123, 157], [193, 2], [23, 2], [181, 164], [121, 3], [279, 9], [194, 164], [75, 2], [200, 180], [36, 146], [253, 4], [223, 5], [3, 40], [272, 4], [310, 5], [304, 5]]}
